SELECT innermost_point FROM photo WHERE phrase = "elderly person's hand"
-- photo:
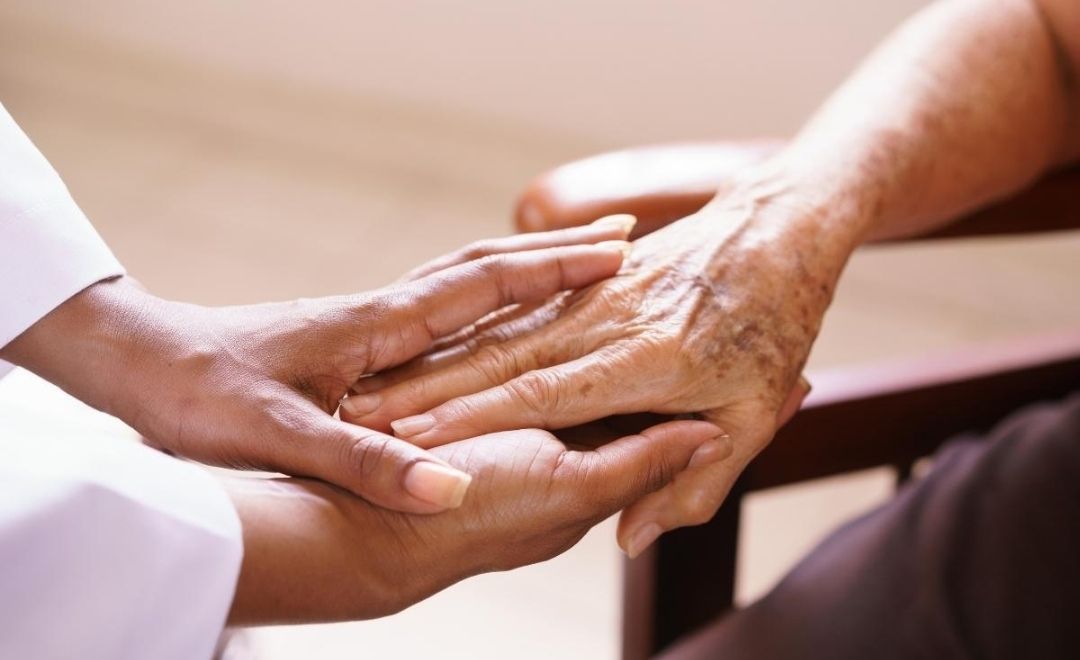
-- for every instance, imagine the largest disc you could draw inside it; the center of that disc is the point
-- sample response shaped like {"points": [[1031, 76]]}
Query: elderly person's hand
{"points": [[256, 386], [314, 553], [714, 314]]}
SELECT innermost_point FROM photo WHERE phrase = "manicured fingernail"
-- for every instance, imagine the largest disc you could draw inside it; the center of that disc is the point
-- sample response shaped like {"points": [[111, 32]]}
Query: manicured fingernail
{"points": [[410, 426], [361, 404], [437, 484], [642, 538], [622, 246], [624, 221], [711, 451]]}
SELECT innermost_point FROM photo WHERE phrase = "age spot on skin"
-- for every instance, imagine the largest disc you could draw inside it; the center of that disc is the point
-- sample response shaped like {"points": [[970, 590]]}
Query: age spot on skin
{"points": [[746, 338]]}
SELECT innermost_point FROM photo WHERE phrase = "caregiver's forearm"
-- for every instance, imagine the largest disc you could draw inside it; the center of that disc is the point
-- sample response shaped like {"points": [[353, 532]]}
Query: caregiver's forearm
{"points": [[968, 102], [314, 553]]}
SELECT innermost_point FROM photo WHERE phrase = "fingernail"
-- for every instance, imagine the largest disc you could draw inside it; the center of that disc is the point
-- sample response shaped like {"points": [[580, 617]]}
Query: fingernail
{"points": [[711, 451], [437, 484], [622, 246], [361, 404], [410, 426], [642, 539], [625, 221]]}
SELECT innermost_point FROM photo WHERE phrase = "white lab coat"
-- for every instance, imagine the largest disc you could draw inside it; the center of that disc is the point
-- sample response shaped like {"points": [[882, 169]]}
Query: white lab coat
{"points": [[108, 550]]}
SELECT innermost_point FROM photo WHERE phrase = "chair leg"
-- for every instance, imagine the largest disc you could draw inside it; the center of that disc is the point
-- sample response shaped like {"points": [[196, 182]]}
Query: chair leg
{"points": [[686, 581]]}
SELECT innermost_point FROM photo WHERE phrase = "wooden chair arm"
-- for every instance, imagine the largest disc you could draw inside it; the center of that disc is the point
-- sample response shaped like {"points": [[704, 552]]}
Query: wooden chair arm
{"points": [[895, 413], [657, 184], [662, 183]]}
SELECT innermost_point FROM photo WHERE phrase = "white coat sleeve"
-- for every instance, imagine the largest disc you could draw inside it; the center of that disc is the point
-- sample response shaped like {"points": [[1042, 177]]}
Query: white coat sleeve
{"points": [[49, 251], [110, 550]]}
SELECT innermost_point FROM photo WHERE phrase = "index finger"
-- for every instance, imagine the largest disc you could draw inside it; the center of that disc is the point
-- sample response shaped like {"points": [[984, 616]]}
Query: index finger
{"points": [[608, 228], [444, 302]]}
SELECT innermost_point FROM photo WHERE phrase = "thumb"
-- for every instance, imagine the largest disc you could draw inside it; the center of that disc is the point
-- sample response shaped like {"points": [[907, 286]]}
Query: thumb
{"points": [[620, 473], [382, 469]]}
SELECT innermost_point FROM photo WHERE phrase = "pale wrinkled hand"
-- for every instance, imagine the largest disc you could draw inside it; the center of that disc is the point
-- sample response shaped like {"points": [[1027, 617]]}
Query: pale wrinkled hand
{"points": [[707, 316]]}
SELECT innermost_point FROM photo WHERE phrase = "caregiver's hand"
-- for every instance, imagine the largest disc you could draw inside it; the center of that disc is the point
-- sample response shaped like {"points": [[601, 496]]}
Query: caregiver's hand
{"points": [[714, 314], [314, 553], [256, 386]]}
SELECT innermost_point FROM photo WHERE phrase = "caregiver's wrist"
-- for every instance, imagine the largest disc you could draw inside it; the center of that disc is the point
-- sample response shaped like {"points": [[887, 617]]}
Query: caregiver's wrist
{"points": [[89, 343], [126, 332], [314, 553]]}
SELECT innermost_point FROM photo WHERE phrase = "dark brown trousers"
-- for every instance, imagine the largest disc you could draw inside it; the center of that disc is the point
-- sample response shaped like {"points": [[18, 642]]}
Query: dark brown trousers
{"points": [[979, 559]]}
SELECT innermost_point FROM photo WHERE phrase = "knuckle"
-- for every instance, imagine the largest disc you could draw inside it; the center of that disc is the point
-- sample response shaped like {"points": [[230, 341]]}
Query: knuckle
{"points": [[698, 507], [367, 455], [569, 465], [496, 268], [493, 264], [472, 345], [612, 296], [499, 334], [658, 473], [538, 392], [496, 363], [414, 390], [477, 250], [561, 268], [464, 408]]}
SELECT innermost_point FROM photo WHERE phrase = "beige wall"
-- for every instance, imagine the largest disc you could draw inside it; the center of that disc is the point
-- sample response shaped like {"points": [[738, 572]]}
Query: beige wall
{"points": [[607, 71], [187, 128]]}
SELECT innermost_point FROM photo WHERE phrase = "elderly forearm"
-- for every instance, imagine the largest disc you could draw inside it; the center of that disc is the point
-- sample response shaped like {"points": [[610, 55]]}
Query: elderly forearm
{"points": [[968, 102]]}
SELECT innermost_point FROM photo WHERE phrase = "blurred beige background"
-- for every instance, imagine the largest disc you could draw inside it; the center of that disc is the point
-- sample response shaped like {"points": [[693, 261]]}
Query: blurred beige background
{"points": [[247, 150]]}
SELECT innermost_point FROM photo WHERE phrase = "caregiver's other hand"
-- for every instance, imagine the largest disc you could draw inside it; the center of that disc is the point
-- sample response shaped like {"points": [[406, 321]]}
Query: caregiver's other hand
{"points": [[714, 314], [256, 386], [314, 553]]}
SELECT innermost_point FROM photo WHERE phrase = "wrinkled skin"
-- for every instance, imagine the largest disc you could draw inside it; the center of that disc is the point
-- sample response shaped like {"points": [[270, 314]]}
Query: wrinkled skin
{"points": [[314, 553], [714, 314]]}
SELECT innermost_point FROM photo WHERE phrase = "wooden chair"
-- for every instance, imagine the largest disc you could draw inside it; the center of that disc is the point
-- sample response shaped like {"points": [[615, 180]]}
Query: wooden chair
{"points": [[877, 415]]}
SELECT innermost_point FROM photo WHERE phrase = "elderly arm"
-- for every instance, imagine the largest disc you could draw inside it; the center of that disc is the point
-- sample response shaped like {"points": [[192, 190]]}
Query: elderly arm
{"points": [[967, 103], [716, 313], [662, 183]]}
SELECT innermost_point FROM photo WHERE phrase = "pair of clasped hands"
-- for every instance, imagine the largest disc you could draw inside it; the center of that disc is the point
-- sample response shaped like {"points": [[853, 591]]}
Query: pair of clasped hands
{"points": [[487, 402]]}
